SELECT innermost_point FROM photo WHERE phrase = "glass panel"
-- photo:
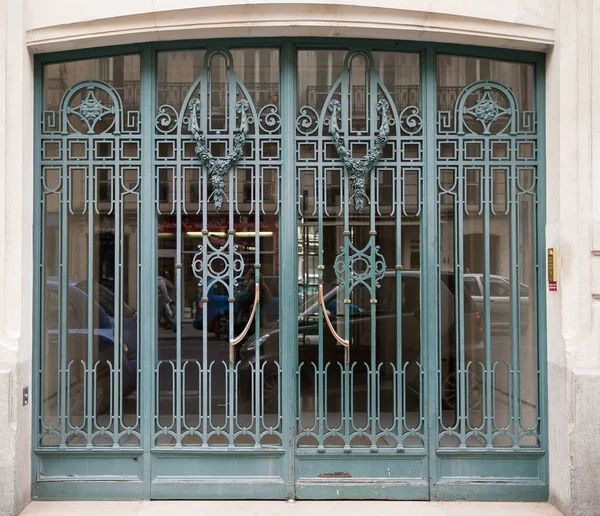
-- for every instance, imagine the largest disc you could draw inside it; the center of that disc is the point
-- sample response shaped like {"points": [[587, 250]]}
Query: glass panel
{"points": [[486, 197], [349, 243], [176, 73], [90, 184], [218, 237]]}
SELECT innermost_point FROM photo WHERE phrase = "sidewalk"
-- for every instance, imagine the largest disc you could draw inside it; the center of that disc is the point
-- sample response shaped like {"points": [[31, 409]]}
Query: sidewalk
{"points": [[268, 508]]}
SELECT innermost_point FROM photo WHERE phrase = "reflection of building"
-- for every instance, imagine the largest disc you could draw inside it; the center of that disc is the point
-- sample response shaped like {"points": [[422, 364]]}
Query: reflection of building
{"points": [[115, 208]]}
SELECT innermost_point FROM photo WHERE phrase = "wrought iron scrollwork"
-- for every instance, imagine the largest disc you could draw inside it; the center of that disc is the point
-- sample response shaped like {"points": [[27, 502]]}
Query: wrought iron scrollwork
{"points": [[219, 167], [359, 168]]}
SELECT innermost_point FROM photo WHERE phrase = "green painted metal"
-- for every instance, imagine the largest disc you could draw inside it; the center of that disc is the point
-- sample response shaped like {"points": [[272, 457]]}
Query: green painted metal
{"points": [[461, 459], [289, 283], [148, 273], [400, 471], [429, 239]]}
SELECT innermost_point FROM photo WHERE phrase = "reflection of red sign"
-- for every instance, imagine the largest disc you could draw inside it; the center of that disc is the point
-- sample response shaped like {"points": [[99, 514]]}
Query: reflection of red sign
{"points": [[169, 225], [552, 286]]}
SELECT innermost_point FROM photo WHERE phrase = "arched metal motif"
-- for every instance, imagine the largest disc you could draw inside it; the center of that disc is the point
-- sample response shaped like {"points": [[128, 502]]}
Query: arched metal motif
{"points": [[358, 168]]}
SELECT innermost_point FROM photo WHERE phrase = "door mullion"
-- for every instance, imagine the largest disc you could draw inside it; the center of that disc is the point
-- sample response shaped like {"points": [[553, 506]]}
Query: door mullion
{"points": [[148, 274], [289, 255], [430, 275]]}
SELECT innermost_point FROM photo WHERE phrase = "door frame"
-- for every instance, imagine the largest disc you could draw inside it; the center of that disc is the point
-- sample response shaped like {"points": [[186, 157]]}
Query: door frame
{"points": [[139, 476]]}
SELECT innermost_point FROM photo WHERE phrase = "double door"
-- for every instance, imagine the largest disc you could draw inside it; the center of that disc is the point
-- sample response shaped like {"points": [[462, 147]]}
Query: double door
{"points": [[289, 358], [269, 273]]}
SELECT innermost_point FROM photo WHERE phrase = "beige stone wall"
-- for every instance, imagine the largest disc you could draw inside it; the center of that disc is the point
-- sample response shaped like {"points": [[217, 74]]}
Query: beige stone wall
{"points": [[527, 24], [569, 31], [16, 265]]}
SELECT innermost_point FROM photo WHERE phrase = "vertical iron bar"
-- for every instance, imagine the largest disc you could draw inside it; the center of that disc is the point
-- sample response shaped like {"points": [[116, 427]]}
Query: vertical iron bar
{"points": [[63, 228], [259, 391], [487, 313], [346, 114], [400, 393], [147, 289], [515, 302], [91, 195], [429, 236], [320, 365], [230, 121], [372, 124], [178, 300], [205, 287], [117, 337], [461, 374], [514, 277], [288, 252]]}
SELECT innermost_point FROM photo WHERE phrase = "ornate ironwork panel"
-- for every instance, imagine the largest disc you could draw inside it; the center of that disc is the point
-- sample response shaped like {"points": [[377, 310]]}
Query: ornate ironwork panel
{"points": [[217, 171], [290, 273], [359, 179], [90, 184], [487, 164]]}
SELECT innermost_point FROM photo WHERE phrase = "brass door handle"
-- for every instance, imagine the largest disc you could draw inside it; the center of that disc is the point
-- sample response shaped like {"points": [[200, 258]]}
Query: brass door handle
{"points": [[343, 342], [240, 337]]}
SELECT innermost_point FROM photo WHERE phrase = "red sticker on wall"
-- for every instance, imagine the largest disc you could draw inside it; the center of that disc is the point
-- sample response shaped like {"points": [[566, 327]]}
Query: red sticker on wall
{"points": [[552, 286]]}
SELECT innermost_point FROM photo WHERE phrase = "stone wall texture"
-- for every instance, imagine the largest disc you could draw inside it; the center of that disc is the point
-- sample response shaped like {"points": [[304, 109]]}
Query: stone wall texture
{"points": [[567, 30]]}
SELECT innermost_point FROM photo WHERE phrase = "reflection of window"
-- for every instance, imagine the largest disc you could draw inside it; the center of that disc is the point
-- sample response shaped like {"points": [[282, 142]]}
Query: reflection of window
{"points": [[472, 287], [333, 195], [499, 288], [410, 294], [415, 253], [194, 196], [163, 191], [51, 314], [103, 185], [473, 190], [386, 296]]}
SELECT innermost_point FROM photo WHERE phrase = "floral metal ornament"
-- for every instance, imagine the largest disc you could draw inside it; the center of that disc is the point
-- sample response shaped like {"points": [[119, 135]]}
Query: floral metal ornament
{"points": [[486, 110], [90, 110], [359, 168], [218, 168]]}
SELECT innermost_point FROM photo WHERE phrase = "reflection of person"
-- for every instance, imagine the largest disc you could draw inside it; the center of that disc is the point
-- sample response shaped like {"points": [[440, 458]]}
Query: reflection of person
{"points": [[245, 298], [165, 291]]}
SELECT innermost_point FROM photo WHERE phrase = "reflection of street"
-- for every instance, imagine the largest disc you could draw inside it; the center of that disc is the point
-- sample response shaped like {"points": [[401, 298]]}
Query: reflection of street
{"points": [[506, 409], [191, 353]]}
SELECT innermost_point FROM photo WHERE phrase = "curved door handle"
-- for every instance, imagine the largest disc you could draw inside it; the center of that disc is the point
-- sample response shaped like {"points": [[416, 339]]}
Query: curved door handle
{"points": [[241, 336], [343, 342]]}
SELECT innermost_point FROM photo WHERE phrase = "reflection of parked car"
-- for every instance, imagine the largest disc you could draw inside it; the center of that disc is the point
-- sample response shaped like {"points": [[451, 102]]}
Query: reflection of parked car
{"points": [[217, 307], [500, 305], [386, 323], [103, 339]]}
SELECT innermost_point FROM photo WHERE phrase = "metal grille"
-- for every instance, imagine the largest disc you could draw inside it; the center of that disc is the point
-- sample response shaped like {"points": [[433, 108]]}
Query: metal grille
{"points": [[90, 178], [195, 343], [488, 375], [362, 205], [204, 399]]}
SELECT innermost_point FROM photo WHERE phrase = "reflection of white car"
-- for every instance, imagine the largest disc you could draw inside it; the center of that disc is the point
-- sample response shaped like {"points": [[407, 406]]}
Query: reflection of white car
{"points": [[500, 305]]}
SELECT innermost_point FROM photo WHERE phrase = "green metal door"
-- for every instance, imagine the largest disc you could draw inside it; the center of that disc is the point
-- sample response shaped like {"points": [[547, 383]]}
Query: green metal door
{"points": [[219, 420], [361, 424], [289, 270]]}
